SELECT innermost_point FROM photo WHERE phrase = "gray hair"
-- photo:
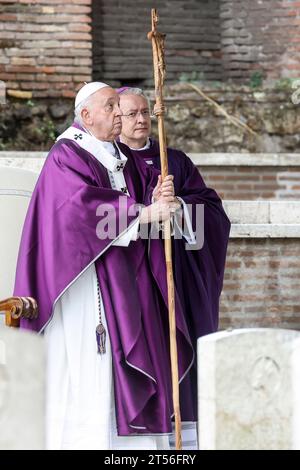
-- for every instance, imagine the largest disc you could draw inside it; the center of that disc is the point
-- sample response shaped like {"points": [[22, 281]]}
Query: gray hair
{"points": [[135, 91], [79, 108]]}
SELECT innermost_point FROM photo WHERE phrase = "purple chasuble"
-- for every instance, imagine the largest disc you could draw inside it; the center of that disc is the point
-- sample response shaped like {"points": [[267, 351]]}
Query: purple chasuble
{"points": [[59, 242], [198, 273]]}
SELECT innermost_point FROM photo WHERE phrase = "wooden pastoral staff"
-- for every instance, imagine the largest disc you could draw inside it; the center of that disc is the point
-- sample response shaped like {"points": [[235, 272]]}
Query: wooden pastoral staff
{"points": [[157, 40]]}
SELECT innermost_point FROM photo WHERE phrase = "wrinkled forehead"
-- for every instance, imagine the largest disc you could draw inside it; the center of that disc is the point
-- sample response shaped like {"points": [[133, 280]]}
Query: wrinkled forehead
{"points": [[133, 101], [105, 95]]}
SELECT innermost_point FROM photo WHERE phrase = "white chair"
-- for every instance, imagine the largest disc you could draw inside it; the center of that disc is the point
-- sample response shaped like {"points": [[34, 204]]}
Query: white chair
{"points": [[16, 187]]}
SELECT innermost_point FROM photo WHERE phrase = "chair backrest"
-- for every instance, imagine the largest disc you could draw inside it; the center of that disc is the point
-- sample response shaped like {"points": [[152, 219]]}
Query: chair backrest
{"points": [[16, 187]]}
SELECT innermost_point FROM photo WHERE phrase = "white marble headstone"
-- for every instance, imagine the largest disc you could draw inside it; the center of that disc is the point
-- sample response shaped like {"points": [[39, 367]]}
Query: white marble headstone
{"points": [[22, 390], [249, 389]]}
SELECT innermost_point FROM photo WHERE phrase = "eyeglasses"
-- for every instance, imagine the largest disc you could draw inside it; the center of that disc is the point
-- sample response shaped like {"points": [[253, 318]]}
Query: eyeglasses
{"points": [[134, 114]]}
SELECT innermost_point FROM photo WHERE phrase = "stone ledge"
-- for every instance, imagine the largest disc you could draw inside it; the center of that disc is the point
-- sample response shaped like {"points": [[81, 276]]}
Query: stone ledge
{"points": [[263, 212], [27, 160], [265, 231], [264, 219], [16, 154], [199, 159], [245, 159]]}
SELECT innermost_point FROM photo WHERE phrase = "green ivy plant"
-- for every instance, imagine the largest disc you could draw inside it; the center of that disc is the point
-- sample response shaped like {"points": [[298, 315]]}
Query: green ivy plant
{"points": [[48, 129], [256, 79]]}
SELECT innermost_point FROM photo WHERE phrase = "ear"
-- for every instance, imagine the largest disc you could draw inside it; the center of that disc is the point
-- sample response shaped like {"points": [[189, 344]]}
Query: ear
{"points": [[86, 116]]}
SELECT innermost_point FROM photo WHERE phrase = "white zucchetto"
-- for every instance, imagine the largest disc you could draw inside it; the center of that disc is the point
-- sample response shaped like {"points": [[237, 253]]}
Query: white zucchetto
{"points": [[88, 90]]}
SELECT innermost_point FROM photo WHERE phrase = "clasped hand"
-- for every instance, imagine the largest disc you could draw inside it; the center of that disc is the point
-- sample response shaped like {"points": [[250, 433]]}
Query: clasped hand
{"points": [[165, 202]]}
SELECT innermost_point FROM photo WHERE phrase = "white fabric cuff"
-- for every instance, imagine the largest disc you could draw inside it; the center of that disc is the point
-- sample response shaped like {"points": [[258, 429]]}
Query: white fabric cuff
{"points": [[185, 228], [130, 235]]}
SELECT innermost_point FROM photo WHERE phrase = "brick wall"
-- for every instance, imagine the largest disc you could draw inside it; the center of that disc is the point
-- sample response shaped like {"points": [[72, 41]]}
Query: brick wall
{"points": [[262, 283], [211, 39], [122, 53], [248, 183], [260, 35], [45, 45]]}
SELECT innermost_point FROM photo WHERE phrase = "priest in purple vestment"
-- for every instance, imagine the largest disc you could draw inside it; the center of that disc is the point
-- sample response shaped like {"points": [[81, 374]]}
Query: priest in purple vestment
{"points": [[101, 289], [198, 272]]}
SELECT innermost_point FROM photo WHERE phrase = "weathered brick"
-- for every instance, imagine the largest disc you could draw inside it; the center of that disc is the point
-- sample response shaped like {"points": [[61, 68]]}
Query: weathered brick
{"points": [[74, 9], [14, 52], [25, 77], [48, 70], [17, 68], [7, 17], [23, 61], [58, 18], [54, 78], [55, 61], [82, 78], [72, 70], [7, 76], [70, 36], [80, 27], [33, 86], [68, 93]]}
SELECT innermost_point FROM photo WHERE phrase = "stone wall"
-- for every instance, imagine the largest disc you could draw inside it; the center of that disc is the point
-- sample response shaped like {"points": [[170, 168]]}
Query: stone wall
{"points": [[196, 124], [192, 123], [33, 124]]}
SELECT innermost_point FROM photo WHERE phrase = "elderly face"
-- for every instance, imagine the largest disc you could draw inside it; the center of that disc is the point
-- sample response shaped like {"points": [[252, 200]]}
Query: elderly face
{"points": [[102, 115], [136, 122]]}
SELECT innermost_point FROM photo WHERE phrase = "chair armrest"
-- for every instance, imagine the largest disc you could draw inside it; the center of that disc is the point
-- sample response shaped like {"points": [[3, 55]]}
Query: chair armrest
{"points": [[15, 308]]}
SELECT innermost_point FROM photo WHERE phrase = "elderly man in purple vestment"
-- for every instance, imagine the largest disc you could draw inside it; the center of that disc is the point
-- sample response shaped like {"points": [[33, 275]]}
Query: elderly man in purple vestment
{"points": [[101, 288], [198, 272]]}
